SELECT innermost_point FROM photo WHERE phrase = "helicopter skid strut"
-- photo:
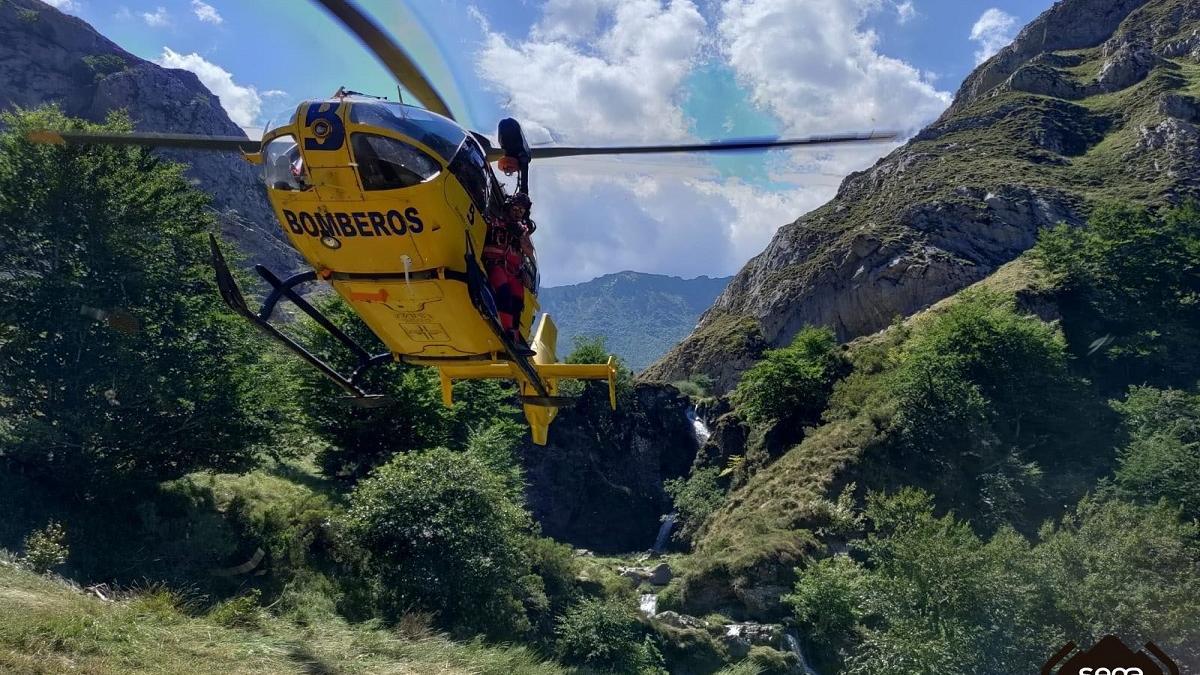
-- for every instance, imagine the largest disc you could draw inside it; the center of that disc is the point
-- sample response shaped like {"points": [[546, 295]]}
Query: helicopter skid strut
{"points": [[284, 289]]}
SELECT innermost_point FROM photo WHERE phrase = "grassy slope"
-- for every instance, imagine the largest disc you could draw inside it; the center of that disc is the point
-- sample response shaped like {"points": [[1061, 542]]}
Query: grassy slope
{"points": [[780, 517], [769, 524], [992, 142], [48, 626]]}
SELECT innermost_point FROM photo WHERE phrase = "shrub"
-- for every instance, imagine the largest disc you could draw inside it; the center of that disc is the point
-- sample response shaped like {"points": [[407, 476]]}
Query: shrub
{"points": [[240, 612], [606, 634], [792, 383], [986, 395], [696, 498], [441, 535], [772, 661], [46, 548]]}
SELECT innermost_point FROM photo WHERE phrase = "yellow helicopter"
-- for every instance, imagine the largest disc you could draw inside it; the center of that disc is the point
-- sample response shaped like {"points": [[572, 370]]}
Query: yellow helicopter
{"points": [[390, 204]]}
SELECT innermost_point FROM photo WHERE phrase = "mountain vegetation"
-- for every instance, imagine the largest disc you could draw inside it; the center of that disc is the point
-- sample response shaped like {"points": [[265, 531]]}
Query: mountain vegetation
{"points": [[1004, 458], [980, 466], [640, 316]]}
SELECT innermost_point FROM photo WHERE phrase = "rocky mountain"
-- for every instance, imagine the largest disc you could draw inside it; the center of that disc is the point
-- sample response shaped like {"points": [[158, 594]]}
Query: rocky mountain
{"points": [[47, 56], [1095, 100], [641, 316]]}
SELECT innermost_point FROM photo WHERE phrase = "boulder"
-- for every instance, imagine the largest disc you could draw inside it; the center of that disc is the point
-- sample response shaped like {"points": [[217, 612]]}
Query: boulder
{"points": [[1126, 65], [1180, 107], [740, 637], [677, 620], [660, 575]]}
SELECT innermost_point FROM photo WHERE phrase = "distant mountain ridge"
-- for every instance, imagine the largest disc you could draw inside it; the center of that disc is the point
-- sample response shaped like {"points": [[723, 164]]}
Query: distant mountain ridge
{"points": [[641, 316]]}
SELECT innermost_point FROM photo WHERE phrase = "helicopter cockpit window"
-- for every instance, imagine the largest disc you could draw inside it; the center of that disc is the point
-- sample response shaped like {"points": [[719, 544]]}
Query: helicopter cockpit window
{"points": [[432, 130], [469, 166], [388, 164], [284, 165]]}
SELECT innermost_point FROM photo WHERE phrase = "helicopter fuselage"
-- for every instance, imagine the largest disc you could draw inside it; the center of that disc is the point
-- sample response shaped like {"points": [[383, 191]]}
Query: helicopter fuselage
{"points": [[386, 201]]}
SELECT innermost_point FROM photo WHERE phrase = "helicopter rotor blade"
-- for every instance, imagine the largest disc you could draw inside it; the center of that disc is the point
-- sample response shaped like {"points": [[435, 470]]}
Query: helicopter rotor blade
{"points": [[146, 139], [546, 152], [390, 54]]}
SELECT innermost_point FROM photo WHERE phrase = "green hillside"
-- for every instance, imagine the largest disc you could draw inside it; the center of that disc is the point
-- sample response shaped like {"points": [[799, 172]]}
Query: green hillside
{"points": [[641, 316]]}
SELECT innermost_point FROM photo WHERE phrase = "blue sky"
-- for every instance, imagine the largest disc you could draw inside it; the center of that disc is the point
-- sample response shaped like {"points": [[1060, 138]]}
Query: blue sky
{"points": [[608, 71]]}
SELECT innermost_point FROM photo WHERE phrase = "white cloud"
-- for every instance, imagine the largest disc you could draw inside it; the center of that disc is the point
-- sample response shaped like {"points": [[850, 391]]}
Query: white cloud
{"points": [[616, 85], [817, 68], [206, 12], [243, 103], [66, 6], [618, 71], [272, 93], [158, 18], [992, 31], [905, 11]]}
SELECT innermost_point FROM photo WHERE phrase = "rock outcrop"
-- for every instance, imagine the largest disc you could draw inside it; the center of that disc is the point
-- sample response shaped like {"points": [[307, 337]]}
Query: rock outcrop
{"points": [[598, 484], [1087, 105], [47, 56]]}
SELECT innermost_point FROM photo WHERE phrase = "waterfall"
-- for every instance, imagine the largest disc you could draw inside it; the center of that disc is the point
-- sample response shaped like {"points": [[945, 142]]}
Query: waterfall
{"points": [[664, 531], [793, 645], [699, 428], [649, 604]]}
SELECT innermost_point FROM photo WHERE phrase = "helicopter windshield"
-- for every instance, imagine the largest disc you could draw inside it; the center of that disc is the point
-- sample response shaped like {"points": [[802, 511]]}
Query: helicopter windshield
{"points": [[438, 133], [283, 165]]}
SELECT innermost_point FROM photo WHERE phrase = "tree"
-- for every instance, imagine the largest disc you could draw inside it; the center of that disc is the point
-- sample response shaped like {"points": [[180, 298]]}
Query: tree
{"points": [[442, 535], [987, 396], [1162, 458], [1125, 569], [792, 384], [117, 359], [931, 596], [1130, 285]]}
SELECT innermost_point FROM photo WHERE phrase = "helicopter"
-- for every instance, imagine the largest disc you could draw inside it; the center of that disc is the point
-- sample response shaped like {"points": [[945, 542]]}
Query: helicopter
{"points": [[390, 204]]}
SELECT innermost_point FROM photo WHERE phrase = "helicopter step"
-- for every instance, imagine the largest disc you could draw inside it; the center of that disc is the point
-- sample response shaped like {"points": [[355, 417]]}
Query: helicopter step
{"points": [[285, 289]]}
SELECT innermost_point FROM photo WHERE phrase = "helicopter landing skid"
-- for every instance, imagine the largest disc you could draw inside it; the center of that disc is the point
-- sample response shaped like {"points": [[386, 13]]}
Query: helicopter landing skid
{"points": [[284, 289]]}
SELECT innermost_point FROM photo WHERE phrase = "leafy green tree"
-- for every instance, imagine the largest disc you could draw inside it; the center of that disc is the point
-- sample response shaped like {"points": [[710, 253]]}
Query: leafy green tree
{"points": [[792, 384], [1120, 568], [987, 396], [1131, 293], [594, 349], [1162, 459], [442, 535], [117, 359], [412, 416], [931, 596], [606, 634], [696, 497]]}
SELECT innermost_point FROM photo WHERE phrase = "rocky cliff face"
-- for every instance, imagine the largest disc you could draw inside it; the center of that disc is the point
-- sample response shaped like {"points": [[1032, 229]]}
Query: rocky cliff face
{"points": [[49, 57], [1096, 100], [598, 484]]}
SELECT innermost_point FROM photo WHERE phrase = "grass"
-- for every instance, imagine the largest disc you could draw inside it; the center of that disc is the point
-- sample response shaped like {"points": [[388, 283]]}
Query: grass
{"points": [[50, 626]]}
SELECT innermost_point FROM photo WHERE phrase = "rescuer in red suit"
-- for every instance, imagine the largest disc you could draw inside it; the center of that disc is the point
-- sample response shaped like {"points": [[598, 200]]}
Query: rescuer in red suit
{"points": [[504, 253]]}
